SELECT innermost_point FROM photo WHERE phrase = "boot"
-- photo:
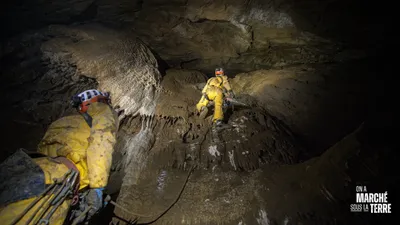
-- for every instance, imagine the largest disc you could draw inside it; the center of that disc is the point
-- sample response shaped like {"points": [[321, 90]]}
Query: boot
{"points": [[218, 123], [215, 131]]}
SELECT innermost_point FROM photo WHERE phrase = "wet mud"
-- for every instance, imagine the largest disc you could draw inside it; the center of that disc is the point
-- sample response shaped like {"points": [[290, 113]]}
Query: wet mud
{"points": [[253, 172]]}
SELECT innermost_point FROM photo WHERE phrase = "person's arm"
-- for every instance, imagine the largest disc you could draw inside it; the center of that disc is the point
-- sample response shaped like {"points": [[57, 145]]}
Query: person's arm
{"points": [[204, 91], [101, 143], [227, 86], [205, 87]]}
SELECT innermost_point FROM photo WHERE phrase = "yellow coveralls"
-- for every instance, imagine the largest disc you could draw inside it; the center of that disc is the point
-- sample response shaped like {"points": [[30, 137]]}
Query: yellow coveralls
{"points": [[90, 149], [214, 90]]}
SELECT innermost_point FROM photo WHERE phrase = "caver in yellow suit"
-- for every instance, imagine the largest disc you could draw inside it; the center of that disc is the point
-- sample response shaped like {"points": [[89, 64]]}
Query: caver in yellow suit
{"points": [[214, 90], [70, 144]]}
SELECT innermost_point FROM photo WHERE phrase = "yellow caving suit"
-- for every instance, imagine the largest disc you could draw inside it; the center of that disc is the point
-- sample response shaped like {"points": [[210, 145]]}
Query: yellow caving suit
{"points": [[215, 89], [90, 149]]}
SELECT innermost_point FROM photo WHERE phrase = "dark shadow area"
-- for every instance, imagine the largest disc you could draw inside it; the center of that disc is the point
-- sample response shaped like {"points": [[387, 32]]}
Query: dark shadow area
{"points": [[106, 215], [20, 16], [89, 13], [375, 165], [346, 105], [356, 23], [15, 91], [162, 65], [35, 95]]}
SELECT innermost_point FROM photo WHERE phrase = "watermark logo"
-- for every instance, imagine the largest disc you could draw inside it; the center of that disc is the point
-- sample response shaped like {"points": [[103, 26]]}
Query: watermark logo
{"points": [[370, 202]]}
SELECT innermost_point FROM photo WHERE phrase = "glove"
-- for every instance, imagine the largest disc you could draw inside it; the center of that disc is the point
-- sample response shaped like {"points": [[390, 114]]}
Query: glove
{"points": [[231, 94], [92, 198], [205, 96], [95, 200], [226, 104]]}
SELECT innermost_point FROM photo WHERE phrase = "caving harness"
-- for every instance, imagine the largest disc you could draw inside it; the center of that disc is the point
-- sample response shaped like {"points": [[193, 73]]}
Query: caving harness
{"points": [[51, 198]]}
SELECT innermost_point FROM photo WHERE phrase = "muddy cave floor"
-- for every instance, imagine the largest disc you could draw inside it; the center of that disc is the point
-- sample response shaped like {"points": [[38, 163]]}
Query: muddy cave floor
{"points": [[256, 173], [259, 174], [317, 190]]}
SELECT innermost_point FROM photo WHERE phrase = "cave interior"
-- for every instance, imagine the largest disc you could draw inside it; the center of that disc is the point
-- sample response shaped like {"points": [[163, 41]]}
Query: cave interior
{"points": [[316, 75]]}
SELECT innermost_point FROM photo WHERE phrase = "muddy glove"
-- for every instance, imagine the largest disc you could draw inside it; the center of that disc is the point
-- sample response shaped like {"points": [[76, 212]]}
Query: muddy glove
{"points": [[95, 200], [231, 94], [77, 213], [205, 96]]}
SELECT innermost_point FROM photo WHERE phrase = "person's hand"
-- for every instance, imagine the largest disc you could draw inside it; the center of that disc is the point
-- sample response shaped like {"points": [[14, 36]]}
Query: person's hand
{"points": [[231, 94], [90, 203], [95, 200], [206, 96]]}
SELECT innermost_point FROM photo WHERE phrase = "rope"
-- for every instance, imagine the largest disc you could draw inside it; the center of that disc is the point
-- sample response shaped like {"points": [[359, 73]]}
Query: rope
{"points": [[159, 215]]}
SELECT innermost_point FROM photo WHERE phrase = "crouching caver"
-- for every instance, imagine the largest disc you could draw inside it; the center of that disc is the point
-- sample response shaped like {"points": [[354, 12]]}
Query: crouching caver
{"points": [[65, 180], [215, 89]]}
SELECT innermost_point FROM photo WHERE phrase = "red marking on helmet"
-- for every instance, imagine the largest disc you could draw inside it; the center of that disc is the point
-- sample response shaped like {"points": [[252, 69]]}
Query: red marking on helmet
{"points": [[85, 105]]}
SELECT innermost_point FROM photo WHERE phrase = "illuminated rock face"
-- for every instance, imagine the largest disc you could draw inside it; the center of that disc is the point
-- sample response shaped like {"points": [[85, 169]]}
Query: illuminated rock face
{"points": [[180, 140], [240, 35], [276, 55], [64, 60], [121, 65]]}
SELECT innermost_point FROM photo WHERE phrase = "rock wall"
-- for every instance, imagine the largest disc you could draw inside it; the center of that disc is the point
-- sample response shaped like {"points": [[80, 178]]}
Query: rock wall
{"points": [[308, 99], [18, 17], [43, 69], [121, 65], [183, 140], [304, 193], [241, 35], [240, 178]]}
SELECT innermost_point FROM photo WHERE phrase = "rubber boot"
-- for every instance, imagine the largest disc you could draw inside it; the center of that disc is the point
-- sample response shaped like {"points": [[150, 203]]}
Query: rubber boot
{"points": [[215, 131], [220, 125]]}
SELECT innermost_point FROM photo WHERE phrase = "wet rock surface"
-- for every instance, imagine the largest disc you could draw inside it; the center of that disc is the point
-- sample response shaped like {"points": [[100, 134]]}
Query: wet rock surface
{"points": [[263, 168], [177, 138], [318, 191], [254, 172], [245, 125], [43, 69], [336, 95], [241, 34], [245, 174]]}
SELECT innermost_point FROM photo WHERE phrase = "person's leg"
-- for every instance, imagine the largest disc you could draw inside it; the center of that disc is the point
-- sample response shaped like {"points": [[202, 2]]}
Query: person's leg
{"points": [[217, 96]]}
